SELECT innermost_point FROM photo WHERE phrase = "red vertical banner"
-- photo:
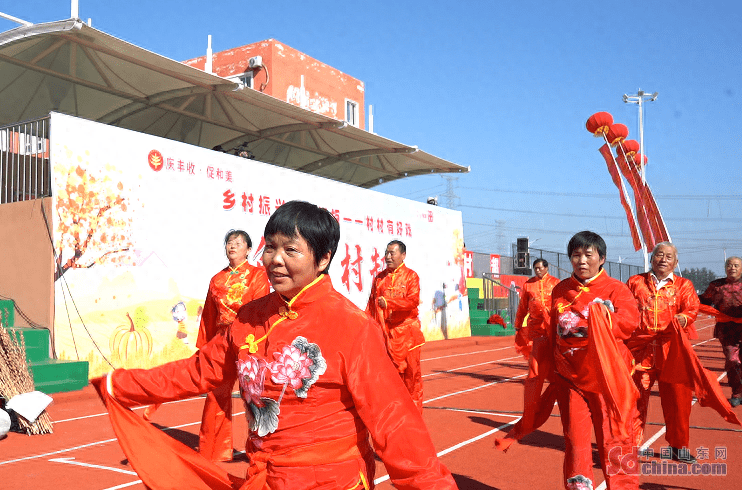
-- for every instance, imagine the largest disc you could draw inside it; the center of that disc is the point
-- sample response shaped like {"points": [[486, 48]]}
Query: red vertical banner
{"points": [[494, 263], [605, 150], [469, 263]]}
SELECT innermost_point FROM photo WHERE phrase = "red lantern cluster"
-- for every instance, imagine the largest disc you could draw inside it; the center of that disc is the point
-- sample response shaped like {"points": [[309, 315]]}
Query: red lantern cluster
{"points": [[629, 162], [601, 124]]}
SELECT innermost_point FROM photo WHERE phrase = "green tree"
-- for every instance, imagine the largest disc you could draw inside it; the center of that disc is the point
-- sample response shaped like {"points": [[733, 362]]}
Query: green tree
{"points": [[699, 277]]}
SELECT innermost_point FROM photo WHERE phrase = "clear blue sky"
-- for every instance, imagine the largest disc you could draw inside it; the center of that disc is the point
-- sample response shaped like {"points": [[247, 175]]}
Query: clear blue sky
{"points": [[506, 87]]}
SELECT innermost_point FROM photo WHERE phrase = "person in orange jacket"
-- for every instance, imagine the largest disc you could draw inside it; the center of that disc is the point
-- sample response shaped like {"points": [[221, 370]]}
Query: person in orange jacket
{"points": [[532, 317], [313, 373], [395, 296], [532, 341], [663, 297], [229, 289]]}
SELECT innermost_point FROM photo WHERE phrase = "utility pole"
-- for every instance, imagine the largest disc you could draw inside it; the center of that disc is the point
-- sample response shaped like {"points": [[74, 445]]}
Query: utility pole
{"points": [[638, 99]]}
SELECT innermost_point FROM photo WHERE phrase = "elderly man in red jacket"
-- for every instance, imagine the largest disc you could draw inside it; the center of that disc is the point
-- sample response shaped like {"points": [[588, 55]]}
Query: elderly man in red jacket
{"points": [[534, 308], [726, 296], [663, 297], [395, 296]]}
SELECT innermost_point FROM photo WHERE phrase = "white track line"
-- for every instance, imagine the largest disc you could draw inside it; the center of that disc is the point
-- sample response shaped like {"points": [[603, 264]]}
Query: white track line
{"points": [[88, 465], [97, 443], [458, 446], [199, 397], [467, 353], [474, 389], [472, 365], [660, 432], [117, 487]]}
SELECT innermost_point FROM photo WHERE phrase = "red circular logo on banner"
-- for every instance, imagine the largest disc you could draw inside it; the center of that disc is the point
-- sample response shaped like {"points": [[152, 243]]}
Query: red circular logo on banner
{"points": [[155, 160]]}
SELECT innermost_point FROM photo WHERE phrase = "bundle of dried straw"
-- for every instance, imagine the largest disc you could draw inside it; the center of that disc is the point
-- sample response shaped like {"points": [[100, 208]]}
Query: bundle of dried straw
{"points": [[15, 379]]}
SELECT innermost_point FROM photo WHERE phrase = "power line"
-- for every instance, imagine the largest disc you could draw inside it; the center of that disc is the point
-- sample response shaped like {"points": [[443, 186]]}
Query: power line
{"points": [[728, 197], [568, 215]]}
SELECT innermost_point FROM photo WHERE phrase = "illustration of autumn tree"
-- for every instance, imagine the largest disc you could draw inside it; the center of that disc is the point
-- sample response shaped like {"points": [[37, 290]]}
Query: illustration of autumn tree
{"points": [[94, 219]]}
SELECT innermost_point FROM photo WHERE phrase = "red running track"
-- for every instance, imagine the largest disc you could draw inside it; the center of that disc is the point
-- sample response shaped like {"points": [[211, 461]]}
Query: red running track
{"points": [[473, 390]]}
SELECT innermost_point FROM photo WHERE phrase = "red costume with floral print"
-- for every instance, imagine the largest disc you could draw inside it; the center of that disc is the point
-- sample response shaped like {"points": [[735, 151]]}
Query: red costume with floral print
{"points": [[650, 345], [594, 382], [229, 289], [316, 382], [400, 289]]}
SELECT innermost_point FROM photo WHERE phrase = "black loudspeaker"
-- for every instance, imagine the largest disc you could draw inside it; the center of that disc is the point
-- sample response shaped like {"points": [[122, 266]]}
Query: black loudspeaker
{"points": [[522, 245], [521, 263]]}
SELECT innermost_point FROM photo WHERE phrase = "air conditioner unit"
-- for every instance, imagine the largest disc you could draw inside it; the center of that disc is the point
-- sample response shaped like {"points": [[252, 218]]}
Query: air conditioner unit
{"points": [[255, 62]]}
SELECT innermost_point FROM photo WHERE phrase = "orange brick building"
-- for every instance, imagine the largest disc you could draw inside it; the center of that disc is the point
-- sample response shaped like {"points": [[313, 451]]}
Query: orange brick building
{"points": [[290, 75]]}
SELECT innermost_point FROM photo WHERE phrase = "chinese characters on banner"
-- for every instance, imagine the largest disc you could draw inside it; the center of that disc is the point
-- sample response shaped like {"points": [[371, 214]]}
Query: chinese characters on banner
{"points": [[177, 201], [494, 263], [469, 263]]}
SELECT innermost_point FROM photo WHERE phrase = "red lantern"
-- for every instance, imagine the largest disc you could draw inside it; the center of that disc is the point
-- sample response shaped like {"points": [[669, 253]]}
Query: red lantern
{"points": [[599, 123], [640, 159], [617, 133], [630, 147]]}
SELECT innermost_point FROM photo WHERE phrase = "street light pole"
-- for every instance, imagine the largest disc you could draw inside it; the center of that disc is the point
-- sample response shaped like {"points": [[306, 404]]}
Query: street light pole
{"points": [[638, 99]]}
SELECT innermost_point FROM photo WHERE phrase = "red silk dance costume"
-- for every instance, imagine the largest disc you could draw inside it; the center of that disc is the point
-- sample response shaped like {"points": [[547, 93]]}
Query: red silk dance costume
{"points": [[594, 385], [532, 342], [229, 289], [400, 289], [650, 345], [316, 382], [534, 308]]}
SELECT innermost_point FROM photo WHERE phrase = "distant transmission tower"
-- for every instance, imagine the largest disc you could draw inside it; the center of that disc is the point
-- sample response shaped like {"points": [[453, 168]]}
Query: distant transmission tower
{"points": [[501, 248], [450, 193]]}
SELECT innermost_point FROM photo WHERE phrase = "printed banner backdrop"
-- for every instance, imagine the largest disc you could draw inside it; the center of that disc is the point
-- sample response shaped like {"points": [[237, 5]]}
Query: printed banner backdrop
{"points": [[139, 228]]}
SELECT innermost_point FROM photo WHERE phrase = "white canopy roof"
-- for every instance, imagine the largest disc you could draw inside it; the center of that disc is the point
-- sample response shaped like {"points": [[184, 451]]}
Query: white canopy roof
{"points": [[69, 67]]}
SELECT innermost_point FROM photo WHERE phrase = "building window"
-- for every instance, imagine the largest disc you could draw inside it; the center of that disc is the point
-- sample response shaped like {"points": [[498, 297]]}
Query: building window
{"points": [[245, 80], [351, 112]]}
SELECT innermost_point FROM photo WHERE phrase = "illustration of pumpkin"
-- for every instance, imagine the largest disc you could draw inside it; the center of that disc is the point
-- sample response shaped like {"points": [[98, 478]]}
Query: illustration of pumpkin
{"points": [[130, 341]]}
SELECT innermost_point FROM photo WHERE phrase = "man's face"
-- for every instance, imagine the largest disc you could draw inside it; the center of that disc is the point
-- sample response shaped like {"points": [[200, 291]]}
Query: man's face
{"points": [[393, 257], [540, 269], [734, 269], [586, 262], [664, 261]]}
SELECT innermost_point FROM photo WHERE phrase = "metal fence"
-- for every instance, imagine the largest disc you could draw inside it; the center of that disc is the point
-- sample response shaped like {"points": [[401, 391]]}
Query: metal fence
{"points": [[561, 268], [500, 297], [24, 161]]}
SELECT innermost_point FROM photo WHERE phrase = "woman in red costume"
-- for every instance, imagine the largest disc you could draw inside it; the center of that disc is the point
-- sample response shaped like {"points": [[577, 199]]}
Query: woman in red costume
{"points": [[592, 314], [235, 285], [314, 376]]}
